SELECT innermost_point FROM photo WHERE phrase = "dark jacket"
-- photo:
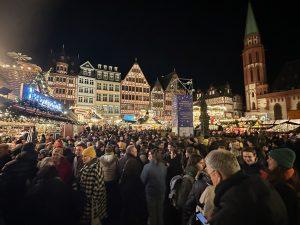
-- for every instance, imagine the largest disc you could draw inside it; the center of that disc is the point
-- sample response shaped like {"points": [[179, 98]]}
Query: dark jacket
{"points": [[291, 200], [193, 198], [253, 169], [154, 178], [49, 201], [247, 200]]}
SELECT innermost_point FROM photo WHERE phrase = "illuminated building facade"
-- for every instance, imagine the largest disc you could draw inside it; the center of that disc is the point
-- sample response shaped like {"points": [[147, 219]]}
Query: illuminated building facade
{"points": [[13, 74], [86, 89], [63, 80], [157, 100], [108, 91], [135, 92]]}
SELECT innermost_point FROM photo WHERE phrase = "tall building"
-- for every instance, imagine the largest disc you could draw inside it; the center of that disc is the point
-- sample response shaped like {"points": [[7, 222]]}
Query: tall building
{"points": [[86, 89], [157, 100], [108, 91], [62, 80], [135, 92], [283, 101], [254, 65]]}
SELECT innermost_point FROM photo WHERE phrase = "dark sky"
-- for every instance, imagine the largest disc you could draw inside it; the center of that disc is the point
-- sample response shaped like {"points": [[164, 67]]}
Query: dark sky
{"points": [[201, 39]]}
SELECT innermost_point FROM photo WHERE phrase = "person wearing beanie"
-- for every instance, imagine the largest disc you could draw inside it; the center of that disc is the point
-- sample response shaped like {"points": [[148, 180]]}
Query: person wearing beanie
{"points": [[284, 179], [91, 183]]}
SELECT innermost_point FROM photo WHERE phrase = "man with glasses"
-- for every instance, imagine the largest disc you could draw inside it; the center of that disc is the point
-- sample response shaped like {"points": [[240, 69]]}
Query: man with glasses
{"points": [[241, 199]]}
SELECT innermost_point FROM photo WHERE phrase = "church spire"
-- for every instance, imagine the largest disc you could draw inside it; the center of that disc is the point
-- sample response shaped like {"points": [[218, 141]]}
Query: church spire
{"points": [[251, 26]]}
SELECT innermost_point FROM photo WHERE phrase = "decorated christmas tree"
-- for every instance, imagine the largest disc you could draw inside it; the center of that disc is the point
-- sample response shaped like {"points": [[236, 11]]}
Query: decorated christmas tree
{"points": [[204, 117]]}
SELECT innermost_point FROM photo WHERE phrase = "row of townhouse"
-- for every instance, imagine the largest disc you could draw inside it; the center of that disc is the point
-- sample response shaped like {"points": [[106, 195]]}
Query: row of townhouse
{"points": [[101, 91]]}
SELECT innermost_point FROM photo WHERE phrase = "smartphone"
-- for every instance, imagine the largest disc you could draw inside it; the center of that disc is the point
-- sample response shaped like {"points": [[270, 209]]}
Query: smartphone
{"points": [[201, 218]]}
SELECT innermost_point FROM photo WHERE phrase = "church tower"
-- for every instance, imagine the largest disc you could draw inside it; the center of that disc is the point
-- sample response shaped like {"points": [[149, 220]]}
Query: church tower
{"points": [[254, 65]]}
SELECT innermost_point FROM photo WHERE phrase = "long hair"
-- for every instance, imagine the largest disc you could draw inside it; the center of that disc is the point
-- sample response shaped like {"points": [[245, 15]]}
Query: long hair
{"points": [[282, 175]]}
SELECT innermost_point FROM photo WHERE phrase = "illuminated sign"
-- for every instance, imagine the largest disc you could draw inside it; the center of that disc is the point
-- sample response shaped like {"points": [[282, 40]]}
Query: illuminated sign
{"points": [[30, 94]]}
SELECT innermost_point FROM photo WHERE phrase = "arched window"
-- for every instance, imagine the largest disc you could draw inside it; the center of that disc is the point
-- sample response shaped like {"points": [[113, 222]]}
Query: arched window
{"points": [[258, 74], [253, 106], [251, 75], [250, 58], [298, 106], [277, 112], [252, 94]]}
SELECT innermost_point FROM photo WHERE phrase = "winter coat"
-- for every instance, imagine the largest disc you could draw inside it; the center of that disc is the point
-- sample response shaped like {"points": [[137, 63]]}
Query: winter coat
{"points": [[247, 200], [291, 199], [193, 198], [108, 164], [77, 165], [185, 188], [49, 201], [154, 178], [91, 182], [254, 169], [64, 169], [15, 177]]}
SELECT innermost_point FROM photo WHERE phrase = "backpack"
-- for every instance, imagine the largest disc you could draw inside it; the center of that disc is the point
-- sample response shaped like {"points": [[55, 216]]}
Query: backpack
{"points": [[175, 185]]}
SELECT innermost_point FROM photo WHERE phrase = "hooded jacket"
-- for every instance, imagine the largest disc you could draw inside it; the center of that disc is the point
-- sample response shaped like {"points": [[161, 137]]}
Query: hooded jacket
{"points": [[108, 163]]}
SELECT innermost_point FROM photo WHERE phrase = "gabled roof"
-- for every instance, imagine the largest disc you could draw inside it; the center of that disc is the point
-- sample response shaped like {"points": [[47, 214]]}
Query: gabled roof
{"points": [[251, 26], [165, 80], [289, 77], [87, 65], [157, 84], [136, 67]]}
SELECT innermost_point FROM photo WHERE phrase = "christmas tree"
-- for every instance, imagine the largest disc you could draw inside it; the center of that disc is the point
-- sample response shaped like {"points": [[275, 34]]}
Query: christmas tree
{"points": [[204, 117]]}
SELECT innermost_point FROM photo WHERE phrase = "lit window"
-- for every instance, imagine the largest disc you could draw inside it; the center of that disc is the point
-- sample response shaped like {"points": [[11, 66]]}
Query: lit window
{"points": [[111, 87], [117, 87]]}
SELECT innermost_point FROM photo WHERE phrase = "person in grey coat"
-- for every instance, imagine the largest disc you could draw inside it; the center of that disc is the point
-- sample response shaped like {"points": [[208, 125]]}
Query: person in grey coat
{"points": [[154, 177]]}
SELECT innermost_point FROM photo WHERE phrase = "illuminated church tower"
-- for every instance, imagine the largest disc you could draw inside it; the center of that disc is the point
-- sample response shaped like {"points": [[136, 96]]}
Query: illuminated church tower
{"points": [[254, 65]]}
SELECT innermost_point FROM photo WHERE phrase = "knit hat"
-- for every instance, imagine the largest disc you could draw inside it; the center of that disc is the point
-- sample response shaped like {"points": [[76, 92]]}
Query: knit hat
{"points": [[90, 151], [283, 156]]}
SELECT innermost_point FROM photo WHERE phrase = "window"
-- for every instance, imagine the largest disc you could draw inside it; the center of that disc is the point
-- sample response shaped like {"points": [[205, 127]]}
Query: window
{"points": [[117, 98], [111, 77], [70, 92], [252, 94], [85, 100], [99, 74], [117, 88], [86, 81], [250, 58], [117, 77], [80, 89], [111, 87], [110, 109], [50, 78], [258, 74], [123, 88], [80, 99], [105, 87], [63, 91], [91, 82], [81, 80], [129, 88], [104, 97], [117, 110], [126, 88], [86, 90], [145, 90], [98, 86], [111, 98], [56, 90], [98, 97], [90, 99], [71, 81], [56, 78], [251, 75], [105, 76], [91, 90], [64, 80], [257, 56]]}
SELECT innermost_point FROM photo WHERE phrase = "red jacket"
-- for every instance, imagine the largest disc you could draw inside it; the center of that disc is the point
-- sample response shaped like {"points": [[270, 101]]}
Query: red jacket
{"points": [[64, 169]]}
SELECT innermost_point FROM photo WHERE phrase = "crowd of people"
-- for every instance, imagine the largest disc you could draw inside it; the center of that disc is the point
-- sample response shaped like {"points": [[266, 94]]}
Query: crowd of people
{"points": [[116, 176]]}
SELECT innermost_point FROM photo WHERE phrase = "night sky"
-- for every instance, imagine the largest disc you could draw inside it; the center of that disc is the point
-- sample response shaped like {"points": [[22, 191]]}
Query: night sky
{"points": [[200, 39]]}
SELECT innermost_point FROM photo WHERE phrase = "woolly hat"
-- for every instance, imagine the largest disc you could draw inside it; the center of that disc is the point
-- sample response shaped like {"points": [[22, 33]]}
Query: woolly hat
{"points": [[90, 151], [283, 156]]}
